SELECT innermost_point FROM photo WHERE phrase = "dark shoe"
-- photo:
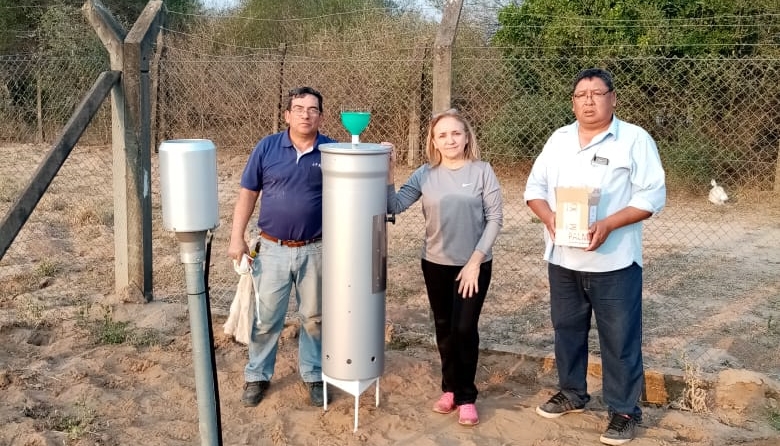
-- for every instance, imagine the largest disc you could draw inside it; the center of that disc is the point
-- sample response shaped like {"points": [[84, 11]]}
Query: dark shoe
{"points": [[558, 405], [316, 393], [621, 430], [254, 392]]}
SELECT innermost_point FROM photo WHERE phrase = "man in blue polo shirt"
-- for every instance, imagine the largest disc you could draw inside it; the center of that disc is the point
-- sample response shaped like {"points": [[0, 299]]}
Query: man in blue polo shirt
{"points": [[286, 168]]}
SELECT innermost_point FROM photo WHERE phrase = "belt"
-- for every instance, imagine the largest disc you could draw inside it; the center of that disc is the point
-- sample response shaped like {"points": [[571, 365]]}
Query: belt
{"points": [[289, 243]]}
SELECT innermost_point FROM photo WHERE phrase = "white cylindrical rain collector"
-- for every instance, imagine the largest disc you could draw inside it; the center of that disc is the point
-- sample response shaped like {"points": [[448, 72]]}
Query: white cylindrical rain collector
{"points": [[188, 192], [188, 185], [354, 260]]}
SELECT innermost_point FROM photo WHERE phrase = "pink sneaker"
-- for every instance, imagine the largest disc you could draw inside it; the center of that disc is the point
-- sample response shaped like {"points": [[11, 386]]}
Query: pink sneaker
{"points": [[446, 403], [468, 415]]}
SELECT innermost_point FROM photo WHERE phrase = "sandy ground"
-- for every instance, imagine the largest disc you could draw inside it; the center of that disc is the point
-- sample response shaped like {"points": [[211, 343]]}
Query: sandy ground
{"points": [[59, 389]]}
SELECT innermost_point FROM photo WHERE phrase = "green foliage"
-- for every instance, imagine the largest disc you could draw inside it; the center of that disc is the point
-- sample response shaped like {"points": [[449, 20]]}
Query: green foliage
{"points": [[22, 27], [17, 25], [689, 162], [656, 50], [565, 28], [110, 331], [522, 127], [774, 419], [46, 268], [76, 422]]}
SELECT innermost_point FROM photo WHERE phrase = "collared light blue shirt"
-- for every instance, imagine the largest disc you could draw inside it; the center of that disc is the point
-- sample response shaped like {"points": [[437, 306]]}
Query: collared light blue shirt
{"points": [[623, 162]]}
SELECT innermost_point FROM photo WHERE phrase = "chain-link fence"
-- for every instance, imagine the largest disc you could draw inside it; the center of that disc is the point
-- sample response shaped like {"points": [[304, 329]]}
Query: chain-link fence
{"points": [[711, 292]]}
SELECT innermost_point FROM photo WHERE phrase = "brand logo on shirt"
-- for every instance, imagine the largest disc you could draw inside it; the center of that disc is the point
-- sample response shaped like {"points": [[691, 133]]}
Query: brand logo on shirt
{"points": [[467, 184], [316, 164]]}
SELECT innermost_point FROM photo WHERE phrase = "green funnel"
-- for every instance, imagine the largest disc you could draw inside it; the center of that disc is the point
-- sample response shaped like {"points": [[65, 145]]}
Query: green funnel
{"points": [[355, 122]]}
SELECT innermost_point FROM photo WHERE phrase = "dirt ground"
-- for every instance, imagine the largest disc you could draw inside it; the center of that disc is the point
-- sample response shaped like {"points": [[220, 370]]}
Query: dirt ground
{"points": [[79, 366]]}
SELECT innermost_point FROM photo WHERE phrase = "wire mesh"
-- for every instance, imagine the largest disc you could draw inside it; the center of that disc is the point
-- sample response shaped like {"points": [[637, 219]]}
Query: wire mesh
{"points": [[710, 287]]}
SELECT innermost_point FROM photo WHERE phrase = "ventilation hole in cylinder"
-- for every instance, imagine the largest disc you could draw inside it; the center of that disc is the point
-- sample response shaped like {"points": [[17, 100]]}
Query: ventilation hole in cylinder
{"points": [[349, 361], [373, 359], [327, 356]]}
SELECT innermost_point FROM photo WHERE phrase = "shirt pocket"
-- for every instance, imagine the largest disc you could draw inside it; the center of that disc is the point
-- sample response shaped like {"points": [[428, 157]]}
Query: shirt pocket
{"points": [[314, 176]]}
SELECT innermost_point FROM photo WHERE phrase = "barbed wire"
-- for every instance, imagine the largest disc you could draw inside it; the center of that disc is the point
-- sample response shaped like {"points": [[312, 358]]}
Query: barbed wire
{"points": [[285, 20], [365, 43], [651, 21]]}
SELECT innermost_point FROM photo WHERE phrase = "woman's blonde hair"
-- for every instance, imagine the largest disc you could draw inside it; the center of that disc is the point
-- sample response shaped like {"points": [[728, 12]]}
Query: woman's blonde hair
{"points": [[471, 151]]}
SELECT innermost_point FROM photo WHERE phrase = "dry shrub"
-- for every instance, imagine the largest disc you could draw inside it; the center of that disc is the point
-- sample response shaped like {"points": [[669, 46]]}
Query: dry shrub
{"points": [[694, 397], [235, 94]]}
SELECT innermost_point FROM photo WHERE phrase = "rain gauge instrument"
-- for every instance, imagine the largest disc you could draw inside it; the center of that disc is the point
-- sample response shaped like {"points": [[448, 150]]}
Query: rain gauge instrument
{"points": [[354, 260]]}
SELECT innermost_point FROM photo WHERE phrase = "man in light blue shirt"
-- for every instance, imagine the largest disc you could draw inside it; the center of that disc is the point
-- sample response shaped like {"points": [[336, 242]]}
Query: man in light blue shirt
{"points": [[621, 159]]}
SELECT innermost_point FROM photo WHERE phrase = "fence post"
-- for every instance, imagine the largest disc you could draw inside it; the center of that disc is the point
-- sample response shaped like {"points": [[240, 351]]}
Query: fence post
{"points": [[155, 68], [277, 117], [442, 55], [415, 100], [137, 51], [777, 170], [39, 106], [131, 157]]}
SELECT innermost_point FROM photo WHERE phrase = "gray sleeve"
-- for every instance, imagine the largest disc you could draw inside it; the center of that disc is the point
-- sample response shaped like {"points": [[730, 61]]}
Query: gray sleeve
{"points": [[410, 192], [492, 204]]}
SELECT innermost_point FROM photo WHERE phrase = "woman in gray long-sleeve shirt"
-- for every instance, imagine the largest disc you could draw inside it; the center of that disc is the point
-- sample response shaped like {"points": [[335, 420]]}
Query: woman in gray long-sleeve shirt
{"points": [[461, 201]]}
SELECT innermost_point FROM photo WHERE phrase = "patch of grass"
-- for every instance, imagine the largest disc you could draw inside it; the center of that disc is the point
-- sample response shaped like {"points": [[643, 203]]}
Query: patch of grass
{"points": [[109, 331], [83, 308], [30, 313], [8, 189], [774, 419], [86, 216], [399, 343], [76, 422], [147, 337], [28, 280], [772, 327], [46, 268]]}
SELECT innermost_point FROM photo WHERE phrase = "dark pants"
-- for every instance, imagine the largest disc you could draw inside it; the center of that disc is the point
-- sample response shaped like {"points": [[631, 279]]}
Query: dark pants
{"points": [[456, 319], [615, 298]]}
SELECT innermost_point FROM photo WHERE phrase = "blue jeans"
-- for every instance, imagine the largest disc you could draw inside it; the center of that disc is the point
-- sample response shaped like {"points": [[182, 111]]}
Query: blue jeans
{"points": [[277, 269], [615, 298]]}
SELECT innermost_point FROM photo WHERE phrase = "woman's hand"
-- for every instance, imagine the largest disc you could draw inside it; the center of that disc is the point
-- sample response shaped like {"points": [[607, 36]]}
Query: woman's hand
{"points": [[468, 280]]}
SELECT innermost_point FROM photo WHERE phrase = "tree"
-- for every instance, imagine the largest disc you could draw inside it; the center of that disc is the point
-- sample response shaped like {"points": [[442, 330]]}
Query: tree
{"points": [[692, 72], [669, 28], [20, 23]]}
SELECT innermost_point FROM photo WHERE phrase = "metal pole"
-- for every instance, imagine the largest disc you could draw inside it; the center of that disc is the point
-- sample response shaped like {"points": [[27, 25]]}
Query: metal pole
{"points": [[193, 253]]}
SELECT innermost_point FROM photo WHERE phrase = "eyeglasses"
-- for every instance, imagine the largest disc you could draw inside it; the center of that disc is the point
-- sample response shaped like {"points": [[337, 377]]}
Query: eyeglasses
{"points": [[593, 94], [300, 111]]}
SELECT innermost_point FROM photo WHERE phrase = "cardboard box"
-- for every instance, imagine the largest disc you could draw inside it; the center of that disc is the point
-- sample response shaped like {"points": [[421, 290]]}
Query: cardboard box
{"points": [[575, 211]]}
